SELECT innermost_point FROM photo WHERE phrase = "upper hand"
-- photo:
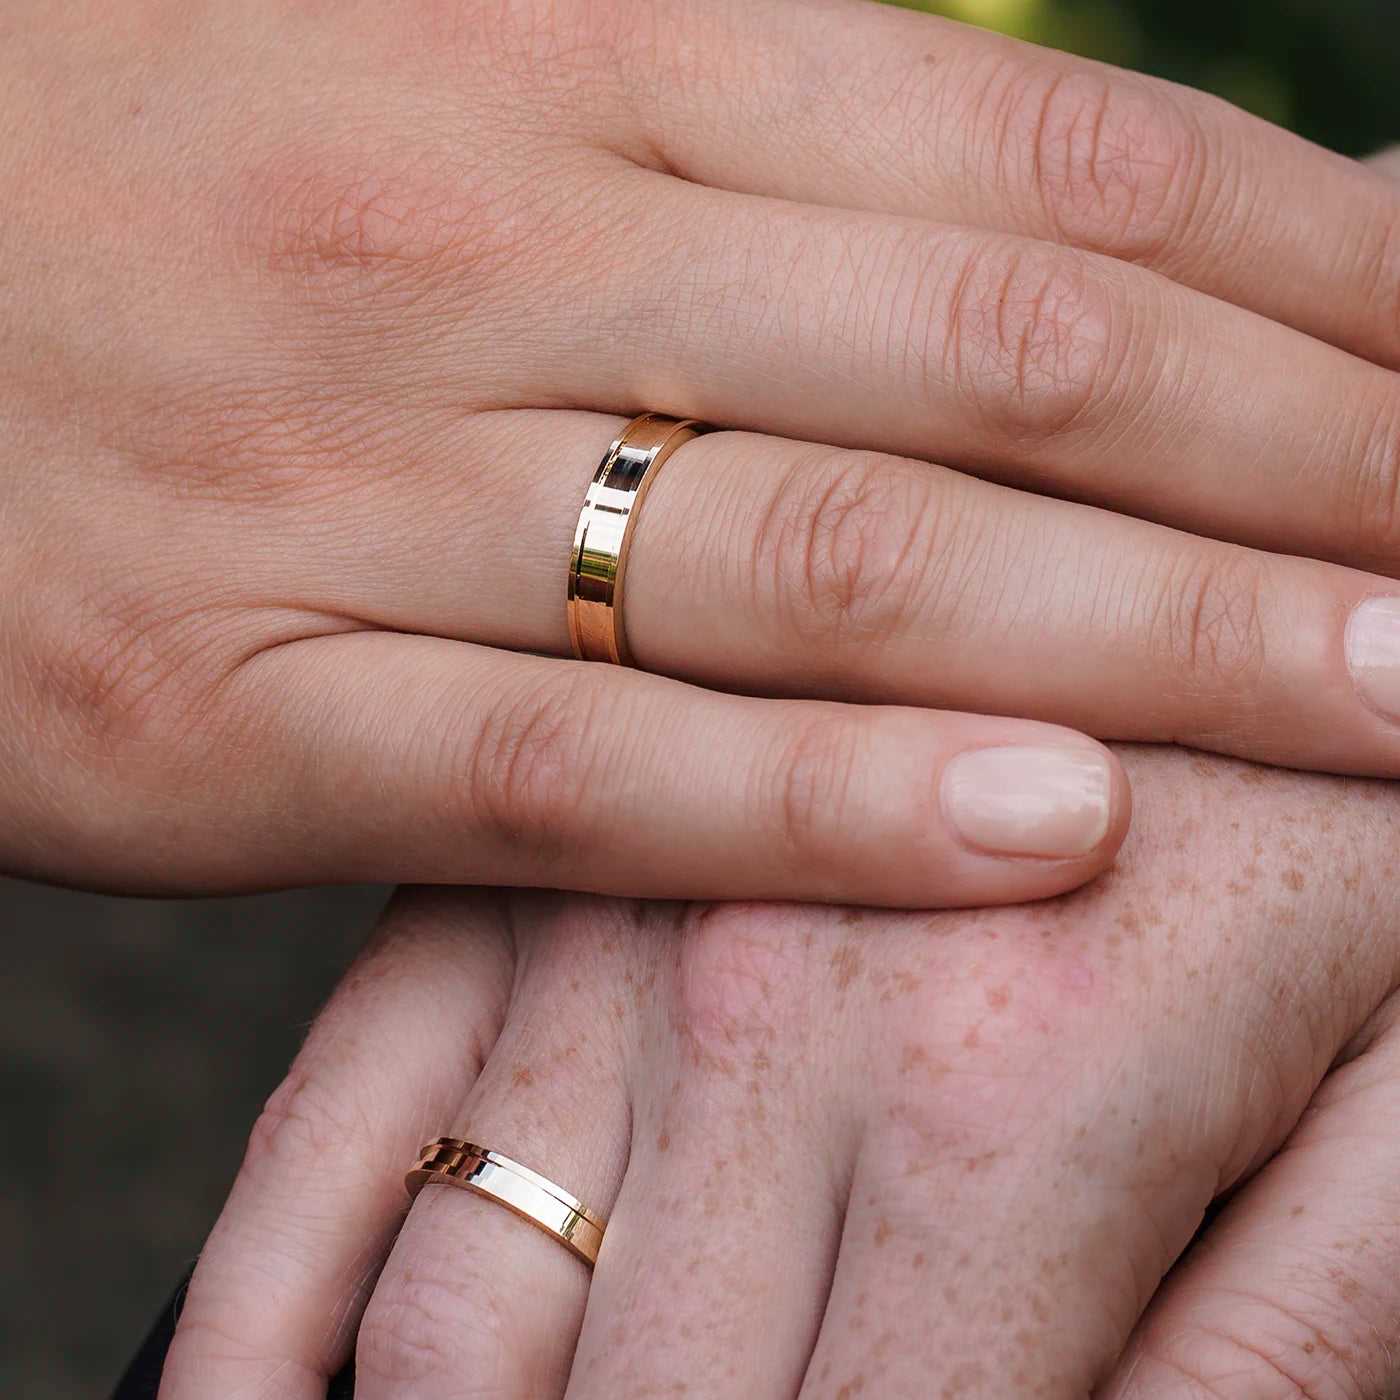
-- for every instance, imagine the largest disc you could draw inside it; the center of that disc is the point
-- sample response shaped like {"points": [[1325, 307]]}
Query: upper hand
{"points": [[857, 1154], [316, 321]]}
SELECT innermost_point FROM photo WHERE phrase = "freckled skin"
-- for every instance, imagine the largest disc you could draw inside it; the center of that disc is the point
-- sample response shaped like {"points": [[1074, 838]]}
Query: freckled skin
{"points": [[902, 1155]]}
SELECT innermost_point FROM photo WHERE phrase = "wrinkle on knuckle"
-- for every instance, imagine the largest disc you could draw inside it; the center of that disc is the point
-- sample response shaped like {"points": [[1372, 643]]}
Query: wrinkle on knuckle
{"points": [[305, 1122], [1115, 163], [530, 761], [422, 1324], [1293, 1360], [393, 231], [814, 781], [1373, 516], [840, 538], [1210, 622], [1029, 338]]}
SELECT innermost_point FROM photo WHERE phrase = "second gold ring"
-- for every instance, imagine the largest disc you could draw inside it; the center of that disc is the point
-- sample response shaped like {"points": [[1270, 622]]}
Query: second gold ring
{"points": [[601, 542]]}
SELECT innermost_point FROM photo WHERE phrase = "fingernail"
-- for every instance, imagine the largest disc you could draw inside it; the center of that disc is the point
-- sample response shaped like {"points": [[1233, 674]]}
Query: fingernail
{"points": [[1024, 801], [1373, 653]]}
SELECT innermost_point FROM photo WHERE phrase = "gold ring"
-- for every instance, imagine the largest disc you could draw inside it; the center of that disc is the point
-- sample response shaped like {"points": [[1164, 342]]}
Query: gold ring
{"points": [[604, 533], [525, 1193]]}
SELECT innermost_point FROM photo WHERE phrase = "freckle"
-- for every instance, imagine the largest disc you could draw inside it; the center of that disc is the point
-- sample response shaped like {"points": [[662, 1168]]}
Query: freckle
{"points": [[973, 1038], [882, 1233], [846, 964], [663, 1143], [913, 1055], [524, 1077], [998, 997], [617, 1009], [852, 916], [1293, 878], [574, 984], [1309, 1348], [854, 1386], [918, 1260], [1297, 1211]]}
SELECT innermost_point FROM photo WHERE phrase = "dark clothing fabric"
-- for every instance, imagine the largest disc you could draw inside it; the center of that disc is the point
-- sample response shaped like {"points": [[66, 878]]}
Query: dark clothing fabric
{"points": [[142, 1379]]}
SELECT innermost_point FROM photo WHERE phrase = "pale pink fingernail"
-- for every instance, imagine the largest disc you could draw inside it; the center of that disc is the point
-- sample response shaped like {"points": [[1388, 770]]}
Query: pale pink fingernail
{"points": [[1030, 801], [1373, 653]]}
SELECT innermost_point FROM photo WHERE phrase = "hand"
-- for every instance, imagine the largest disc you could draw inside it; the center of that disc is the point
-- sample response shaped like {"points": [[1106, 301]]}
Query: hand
{"points": [[316, 321], [854, 1154]]}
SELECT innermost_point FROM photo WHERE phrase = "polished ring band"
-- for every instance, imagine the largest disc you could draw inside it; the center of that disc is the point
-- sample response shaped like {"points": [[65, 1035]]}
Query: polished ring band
{"points": [[527, 1194], [604, 533]]}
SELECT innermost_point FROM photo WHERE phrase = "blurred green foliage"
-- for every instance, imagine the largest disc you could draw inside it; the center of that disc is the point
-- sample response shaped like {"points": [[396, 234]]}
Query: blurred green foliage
{"points": [[1328, 68]]}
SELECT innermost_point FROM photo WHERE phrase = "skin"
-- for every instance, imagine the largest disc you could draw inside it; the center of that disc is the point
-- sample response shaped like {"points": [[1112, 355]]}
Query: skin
{"points": [[318, 317], [851, 1153]]}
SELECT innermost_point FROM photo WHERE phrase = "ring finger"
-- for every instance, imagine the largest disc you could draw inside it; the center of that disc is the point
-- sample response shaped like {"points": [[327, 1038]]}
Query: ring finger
{"points": [[470, 1289], [772, 567]]}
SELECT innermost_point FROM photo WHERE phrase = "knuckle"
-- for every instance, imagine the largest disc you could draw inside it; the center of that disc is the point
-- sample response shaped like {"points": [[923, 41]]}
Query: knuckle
{"points": [[419, 1325], [341, 231], [113, 691], [1210, 622], [1115, 163], [1279, 1357], [816, 775], [1373, 514], [840, 541], [304, 1122], [741, 980], [1030, 337], [1002, 1059], [530, 764]]}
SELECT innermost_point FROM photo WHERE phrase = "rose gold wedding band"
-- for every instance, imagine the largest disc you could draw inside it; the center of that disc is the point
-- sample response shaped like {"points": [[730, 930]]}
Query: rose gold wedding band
{"points": [[525, 1193], [604, 533]]}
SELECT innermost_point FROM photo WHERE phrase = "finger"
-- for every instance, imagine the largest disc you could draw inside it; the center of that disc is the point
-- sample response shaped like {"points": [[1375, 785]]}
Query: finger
{"points": [[721, 1246], [772, 567], [471, 1293], [277, 1295], [1020, 360], [924, 117], [436, 760], [1294, 1291]]}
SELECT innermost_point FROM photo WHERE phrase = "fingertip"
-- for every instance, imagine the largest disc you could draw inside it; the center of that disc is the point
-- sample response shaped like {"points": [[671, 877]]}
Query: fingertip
{"points": [[1049, 798]]}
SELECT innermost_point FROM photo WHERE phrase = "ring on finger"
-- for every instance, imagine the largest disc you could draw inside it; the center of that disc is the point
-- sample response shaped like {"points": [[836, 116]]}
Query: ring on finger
{"points": [[604, 532], [534, 1198]]}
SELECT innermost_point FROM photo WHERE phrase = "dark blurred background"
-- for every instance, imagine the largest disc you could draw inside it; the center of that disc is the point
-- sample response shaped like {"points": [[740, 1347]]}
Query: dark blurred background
{"points": [[139, 1039]]}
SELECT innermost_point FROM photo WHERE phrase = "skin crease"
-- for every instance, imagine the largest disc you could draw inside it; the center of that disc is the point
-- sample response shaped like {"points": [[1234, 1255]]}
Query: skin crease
{"points": [[317, 317], [1013, 1122]]}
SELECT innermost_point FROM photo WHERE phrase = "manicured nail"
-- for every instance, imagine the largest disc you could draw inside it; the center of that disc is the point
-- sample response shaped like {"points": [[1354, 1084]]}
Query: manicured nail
{"points": [[1373, 653], [1023, 801]]}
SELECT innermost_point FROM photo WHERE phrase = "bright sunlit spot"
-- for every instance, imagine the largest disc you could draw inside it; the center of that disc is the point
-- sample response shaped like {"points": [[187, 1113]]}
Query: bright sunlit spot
{"points": [[1010, 16]]}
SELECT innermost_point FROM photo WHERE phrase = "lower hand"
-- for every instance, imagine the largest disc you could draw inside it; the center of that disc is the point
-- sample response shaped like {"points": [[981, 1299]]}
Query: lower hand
{"points": [[852, 1154]]}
